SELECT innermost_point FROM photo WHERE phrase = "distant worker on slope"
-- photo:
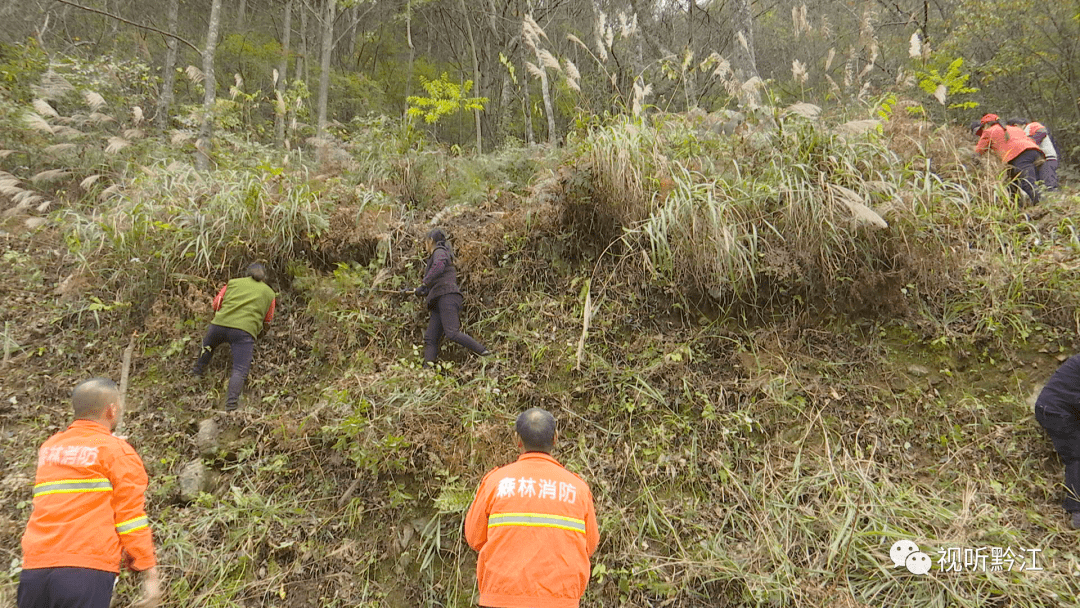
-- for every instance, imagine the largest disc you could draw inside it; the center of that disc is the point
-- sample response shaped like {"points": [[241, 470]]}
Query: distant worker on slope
{"points": [[242, 306], [1057, 410], [534, 525], [440, 289], [1039, 134], [1016, 149], [88, 511]]}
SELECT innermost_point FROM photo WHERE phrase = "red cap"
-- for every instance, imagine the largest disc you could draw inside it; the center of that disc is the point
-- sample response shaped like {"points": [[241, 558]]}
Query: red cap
{"points": [[989, 118]]}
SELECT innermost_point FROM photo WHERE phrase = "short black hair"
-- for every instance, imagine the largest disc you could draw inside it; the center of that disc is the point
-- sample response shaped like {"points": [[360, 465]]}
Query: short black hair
{"points": [[438, 236], [257, 271], [536, 427], [1017, 121], [91, 396]]}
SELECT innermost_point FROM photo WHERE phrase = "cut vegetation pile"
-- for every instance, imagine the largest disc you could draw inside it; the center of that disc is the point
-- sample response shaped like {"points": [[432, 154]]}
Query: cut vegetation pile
{"points": [[801, 347]]}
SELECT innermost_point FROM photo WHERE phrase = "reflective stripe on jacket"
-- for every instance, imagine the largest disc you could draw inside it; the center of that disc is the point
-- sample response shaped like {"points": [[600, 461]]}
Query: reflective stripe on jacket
{"points": [[88, 503], [534, 525], [993, 138]]}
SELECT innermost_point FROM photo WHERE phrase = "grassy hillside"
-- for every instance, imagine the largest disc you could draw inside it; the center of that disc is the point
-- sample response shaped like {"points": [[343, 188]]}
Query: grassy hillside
{"points": [[772, 389]]}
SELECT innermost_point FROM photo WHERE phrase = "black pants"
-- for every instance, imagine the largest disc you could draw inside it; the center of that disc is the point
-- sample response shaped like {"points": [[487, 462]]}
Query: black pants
{"points": [[1048, 174], [446, 321], [242, 346], [1022, 170], [1064, 430], [65, 588]]}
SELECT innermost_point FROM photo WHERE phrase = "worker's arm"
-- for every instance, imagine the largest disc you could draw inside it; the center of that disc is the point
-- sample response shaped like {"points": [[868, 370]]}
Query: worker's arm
{"points": [[129, 481], [592, 532], [984, 142], [270, 312], [476, 520], [219, 298]]}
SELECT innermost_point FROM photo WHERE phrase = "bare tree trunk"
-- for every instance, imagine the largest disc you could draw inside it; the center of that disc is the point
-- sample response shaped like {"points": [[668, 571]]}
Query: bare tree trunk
{"points": [[476, 76], [505, 96], [169, 82], [241, 15], [302, 58], [745, 60], [354, 22], [545, 90], [412, 51], [205, 143], [324, 71], [526, 111], [283, 74]]}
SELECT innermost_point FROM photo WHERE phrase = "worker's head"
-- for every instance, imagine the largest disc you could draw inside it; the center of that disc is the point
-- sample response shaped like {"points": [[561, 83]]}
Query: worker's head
{"points": [[976, 128], [99, 400], [989, 120], [435, 238], [1017, 121], [536, 430], [257, 271]]}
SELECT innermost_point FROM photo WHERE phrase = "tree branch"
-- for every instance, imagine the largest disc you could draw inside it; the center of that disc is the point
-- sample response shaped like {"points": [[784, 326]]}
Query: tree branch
{"points": [[139, 25]]}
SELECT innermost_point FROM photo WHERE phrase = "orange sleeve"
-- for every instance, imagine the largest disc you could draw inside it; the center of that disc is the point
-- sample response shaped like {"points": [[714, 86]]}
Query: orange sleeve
{"points": [[270, 313], [984, 142], [592, 531], [220, 297], [476, 520], [129, 481]]}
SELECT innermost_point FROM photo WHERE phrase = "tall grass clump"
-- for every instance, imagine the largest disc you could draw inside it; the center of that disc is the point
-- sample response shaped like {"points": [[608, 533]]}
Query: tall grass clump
{"points": [[172, 221], [783, 210]]}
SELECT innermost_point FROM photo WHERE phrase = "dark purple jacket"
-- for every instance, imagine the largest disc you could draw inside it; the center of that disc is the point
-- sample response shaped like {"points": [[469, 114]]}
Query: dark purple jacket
{"points": [[1062, 390], [440, 278]]}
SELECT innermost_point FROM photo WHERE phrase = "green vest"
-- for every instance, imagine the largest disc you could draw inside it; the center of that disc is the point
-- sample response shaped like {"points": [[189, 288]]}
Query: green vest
{"points": [[245, 305]]}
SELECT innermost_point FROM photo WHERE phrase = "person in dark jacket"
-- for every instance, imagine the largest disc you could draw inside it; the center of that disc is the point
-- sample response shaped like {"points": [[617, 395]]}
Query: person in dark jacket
{"points": [[243, 305], [440, 289], [1057, 410]]}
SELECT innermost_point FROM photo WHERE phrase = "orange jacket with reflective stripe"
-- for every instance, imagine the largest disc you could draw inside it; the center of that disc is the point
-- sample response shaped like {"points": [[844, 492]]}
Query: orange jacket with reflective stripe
{"points": [[88, 503], [993, 138], [534, 525]]}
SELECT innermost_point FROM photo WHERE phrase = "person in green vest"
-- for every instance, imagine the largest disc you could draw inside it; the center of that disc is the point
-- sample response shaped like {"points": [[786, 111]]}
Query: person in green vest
{"points": [[242, 306]]}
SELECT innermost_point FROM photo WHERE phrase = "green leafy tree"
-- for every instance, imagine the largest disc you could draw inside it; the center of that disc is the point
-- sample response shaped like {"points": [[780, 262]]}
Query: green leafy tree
{"points": [[948, 84], [445, 98]]}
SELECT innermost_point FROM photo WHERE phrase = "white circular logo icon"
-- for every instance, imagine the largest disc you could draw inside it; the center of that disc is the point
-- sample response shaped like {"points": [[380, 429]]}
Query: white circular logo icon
{"points": [[900, 551], [918, 563]]}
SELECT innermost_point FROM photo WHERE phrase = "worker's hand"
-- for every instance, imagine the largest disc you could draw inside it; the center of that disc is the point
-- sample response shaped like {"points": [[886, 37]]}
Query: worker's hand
{"points": [[421, 291], [151, 586]]}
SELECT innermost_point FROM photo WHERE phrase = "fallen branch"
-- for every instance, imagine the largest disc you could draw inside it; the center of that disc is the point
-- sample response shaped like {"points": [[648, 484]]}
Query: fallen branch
{"points": [[586, 318], [125, 371], [139, 25], [7, 344], [347, 496]]}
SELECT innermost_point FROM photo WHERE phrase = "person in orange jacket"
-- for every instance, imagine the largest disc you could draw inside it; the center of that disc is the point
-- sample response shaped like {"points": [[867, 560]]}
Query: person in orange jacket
{"points": [[1015, 148], [534, 525], [88, 511]]}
